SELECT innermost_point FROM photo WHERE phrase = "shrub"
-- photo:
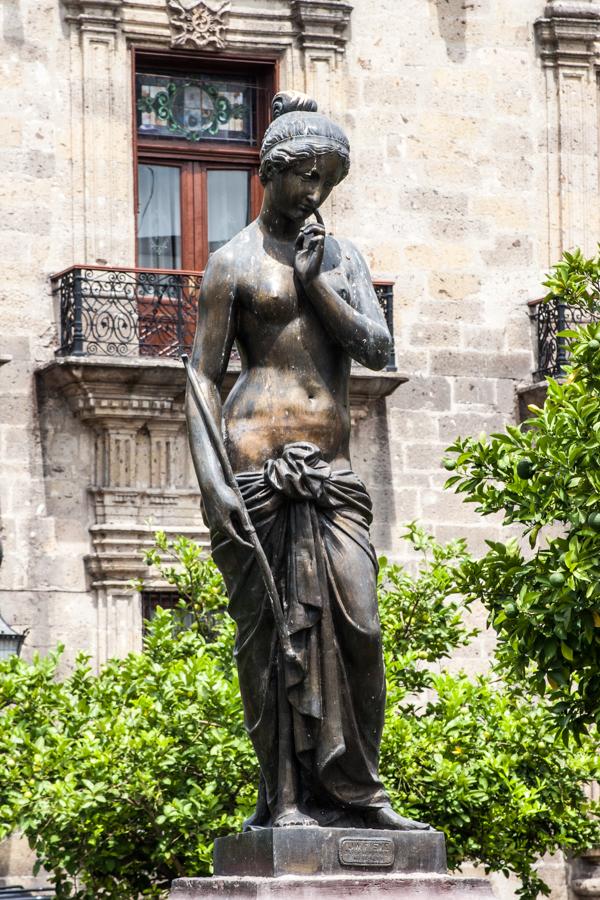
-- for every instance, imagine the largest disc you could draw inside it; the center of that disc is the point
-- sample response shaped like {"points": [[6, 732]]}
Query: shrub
{"points": [[122, 780], [544, 478]]}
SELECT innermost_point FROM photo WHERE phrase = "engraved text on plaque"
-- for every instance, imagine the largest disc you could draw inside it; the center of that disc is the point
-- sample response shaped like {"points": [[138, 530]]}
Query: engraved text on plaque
{"points": [[361, 852]]}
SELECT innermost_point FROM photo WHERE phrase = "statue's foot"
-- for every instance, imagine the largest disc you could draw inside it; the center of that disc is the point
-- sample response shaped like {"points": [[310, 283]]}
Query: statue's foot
{"points": [[291, 815], [385, 817]]}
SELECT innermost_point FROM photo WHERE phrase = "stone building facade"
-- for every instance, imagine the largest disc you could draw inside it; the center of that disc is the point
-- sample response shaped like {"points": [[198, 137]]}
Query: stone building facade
{"points": [[474, 133]]}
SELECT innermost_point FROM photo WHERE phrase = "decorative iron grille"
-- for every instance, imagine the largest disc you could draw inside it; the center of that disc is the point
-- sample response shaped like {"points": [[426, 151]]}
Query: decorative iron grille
{"points": [[385, 295], [551, 318], [142, 312], [126, 312]]}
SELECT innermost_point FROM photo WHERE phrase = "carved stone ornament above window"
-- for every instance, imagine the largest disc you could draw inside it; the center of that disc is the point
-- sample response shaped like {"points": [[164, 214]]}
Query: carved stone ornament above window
{"points": [[198, 25]]}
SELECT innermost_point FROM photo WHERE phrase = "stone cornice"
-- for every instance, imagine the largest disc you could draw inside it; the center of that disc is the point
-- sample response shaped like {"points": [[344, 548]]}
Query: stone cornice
{"points": [[573, 9], [322, 24], [318, 25], [118, 552], [96, 15], [138, 390], [569, 34]]}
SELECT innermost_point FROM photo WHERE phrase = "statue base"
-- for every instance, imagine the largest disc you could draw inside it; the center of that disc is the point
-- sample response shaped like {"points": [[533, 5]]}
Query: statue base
{"points": [[330, 863], [332, 887]]}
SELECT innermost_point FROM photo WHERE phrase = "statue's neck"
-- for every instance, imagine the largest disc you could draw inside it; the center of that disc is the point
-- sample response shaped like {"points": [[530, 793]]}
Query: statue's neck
{"points": [[277, 225]]}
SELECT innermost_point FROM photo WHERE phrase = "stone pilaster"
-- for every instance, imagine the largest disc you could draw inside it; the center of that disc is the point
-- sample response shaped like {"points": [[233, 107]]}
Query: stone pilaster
{"points": [[102, 192], [323, 30], [568, 39]]}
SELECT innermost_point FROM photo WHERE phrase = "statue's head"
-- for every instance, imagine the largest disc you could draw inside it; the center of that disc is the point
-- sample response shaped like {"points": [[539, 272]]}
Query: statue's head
{"points": [[299, 134]]}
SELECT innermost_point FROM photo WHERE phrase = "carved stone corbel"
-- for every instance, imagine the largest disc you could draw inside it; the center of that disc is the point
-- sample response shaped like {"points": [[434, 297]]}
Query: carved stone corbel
{"points": [[568, 33]]}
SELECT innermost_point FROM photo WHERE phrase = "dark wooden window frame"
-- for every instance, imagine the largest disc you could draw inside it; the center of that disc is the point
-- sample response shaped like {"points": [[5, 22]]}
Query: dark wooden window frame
{"points": [[195, 160]]}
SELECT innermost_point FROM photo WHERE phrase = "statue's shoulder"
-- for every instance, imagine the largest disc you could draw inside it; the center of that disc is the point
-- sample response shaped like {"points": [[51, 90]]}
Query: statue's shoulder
{"points": [[352, 259], [228, 261]]}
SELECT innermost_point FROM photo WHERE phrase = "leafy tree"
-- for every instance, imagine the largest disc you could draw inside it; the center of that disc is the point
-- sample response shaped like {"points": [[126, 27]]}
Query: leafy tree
{"points": [[474, 757], [544, 478], [122, 780]]}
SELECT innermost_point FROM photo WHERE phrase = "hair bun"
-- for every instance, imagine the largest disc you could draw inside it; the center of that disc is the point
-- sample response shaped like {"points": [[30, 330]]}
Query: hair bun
{"points": [[292, 101]]}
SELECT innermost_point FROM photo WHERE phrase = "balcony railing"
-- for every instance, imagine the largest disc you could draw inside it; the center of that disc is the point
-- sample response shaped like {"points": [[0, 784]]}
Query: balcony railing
{"points": [[141, 312], [551, 318], [126, 312]]}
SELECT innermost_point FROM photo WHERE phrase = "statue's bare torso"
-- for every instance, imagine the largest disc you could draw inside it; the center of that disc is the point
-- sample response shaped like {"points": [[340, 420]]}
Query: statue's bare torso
{"points": [[294, 381]]}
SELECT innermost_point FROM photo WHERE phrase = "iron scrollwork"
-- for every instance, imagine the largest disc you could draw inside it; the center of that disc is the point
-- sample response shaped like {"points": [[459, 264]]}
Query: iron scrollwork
{"points": [[112, 312], [133, 312], [385, 295], [553, 317]]}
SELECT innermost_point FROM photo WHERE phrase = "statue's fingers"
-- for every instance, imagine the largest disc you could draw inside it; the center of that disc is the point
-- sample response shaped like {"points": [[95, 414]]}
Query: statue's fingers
{"points": [[315, 243], [313, 228]]}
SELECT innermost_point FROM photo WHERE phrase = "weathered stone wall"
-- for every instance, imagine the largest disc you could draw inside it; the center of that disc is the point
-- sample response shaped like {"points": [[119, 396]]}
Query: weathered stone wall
{"points": [[41, 583], [447, 197], [445, 109]]}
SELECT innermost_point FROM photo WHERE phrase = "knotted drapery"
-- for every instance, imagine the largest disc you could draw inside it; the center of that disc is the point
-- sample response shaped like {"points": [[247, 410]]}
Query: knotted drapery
{"points": [[313, 524]]}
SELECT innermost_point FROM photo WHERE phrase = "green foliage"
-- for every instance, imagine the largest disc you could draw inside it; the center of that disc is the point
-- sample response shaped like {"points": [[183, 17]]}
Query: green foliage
{"points": [[477, 759], [122, 780], [422, 619], [545, 477]]}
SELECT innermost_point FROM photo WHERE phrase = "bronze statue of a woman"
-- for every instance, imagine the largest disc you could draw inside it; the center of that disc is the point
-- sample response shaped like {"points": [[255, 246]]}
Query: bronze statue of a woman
{"points": [[301, 306]]}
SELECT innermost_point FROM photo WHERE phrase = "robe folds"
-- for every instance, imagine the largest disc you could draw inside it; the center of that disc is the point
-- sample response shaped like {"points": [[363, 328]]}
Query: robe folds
{"points": [[327, 713]]}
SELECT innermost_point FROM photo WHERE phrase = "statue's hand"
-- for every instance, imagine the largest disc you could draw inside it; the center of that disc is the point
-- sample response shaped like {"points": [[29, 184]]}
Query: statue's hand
{"points": [[225, 514], [310, 245]]}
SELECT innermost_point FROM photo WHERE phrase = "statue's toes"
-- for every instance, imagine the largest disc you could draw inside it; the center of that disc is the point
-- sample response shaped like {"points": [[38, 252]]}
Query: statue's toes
{"points": [[294, 817], [385, 817]]}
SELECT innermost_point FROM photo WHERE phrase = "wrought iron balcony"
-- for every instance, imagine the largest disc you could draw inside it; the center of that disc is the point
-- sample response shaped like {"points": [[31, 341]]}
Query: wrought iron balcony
{"points": [[126, 312], [109, 312], [551, 318]]}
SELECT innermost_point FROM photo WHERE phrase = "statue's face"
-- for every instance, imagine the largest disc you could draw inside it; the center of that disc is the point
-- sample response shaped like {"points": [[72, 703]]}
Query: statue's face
{"points": [[302, 188]]}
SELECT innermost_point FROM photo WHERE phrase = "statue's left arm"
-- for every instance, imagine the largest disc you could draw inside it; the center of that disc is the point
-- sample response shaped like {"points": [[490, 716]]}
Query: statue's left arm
{"points": [[356, 322]]}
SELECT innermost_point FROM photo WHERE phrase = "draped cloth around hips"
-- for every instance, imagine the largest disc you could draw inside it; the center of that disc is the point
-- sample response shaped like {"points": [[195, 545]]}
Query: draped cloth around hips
{"points": [[314, 527]]}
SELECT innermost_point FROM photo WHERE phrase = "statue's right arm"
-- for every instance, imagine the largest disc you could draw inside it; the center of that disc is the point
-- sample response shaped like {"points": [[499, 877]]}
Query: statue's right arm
{"points": [[215, 333]]}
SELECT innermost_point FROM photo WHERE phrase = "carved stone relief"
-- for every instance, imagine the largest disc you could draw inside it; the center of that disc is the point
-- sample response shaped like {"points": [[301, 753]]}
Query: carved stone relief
{"points": [[198, 25]]}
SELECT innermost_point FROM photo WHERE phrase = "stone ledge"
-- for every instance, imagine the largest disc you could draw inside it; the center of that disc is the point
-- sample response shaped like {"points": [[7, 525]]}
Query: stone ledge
{"points": [[139, 388], [528, 394], [391, 887], [573, 9]]}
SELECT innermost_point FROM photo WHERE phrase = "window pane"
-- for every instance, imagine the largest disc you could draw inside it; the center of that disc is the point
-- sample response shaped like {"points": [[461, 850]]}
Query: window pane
{"points": [[228, 205], [196, 109], [159, 217]]}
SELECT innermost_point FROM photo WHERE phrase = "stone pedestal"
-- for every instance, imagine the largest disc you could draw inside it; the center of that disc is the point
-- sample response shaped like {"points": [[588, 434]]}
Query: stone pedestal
{"points": [[331, 863]]}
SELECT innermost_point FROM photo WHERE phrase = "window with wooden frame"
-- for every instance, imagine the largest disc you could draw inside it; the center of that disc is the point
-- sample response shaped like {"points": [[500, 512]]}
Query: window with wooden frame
{"points": [[199, 124]]}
